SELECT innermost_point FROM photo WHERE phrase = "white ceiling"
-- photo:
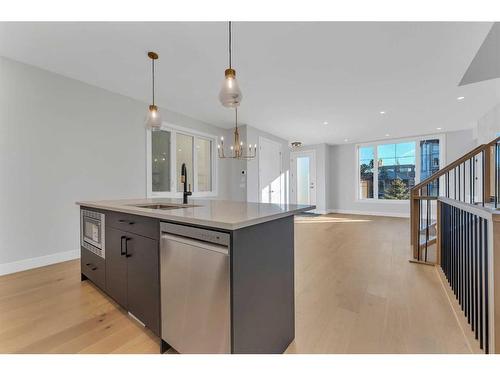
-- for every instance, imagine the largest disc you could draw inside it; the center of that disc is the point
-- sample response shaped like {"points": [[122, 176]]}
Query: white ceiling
{"points": [[294, 76]]}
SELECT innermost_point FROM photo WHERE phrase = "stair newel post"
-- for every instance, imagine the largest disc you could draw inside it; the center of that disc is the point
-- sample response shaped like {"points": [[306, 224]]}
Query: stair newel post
{"points": [[415, 222]]}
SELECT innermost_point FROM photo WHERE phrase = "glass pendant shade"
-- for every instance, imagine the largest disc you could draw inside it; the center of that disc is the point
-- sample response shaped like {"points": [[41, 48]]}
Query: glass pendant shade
{"points": [[153, 118], [230, 94]]}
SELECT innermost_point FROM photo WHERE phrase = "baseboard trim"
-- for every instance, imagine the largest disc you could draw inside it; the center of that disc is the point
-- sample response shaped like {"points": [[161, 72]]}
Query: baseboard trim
{"points": [[27, 264], [370, 213]]}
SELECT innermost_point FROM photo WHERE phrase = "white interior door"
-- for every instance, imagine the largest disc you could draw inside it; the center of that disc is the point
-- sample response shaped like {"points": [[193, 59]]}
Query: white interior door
{"points": [[303, 177], [270, 185]]}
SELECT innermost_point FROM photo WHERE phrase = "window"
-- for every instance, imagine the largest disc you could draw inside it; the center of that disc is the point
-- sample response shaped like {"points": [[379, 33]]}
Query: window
{"points": [[184, 156], [204, 161], [396, 170], [366, 157], [168, 149], [160, 161], [387, 171], [429, 162]]}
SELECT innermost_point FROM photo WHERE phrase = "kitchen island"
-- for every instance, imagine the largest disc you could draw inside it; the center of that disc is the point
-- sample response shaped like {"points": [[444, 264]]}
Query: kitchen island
{"points": [[211, 276]]}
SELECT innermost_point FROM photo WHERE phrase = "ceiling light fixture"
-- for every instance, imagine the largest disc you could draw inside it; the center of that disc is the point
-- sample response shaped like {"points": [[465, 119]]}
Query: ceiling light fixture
{"points": [[230, 94], [387, 135], [296, 145], [345, 140], [382, 112], [237, 149], [325, 122], [153, 117], [461, 98], [439, 128]]}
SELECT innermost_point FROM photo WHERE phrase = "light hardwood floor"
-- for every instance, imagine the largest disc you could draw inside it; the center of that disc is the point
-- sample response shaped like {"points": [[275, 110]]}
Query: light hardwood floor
{"points": [[356, 292]]}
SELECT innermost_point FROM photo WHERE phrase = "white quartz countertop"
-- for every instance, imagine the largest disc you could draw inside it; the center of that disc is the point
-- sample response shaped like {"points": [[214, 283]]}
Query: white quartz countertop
{"points": [[228, 215]]}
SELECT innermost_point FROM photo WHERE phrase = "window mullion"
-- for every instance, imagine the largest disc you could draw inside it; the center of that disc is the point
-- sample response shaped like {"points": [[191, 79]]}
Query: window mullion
{"points": [[195, 165], [375, 171], [173, 163]]}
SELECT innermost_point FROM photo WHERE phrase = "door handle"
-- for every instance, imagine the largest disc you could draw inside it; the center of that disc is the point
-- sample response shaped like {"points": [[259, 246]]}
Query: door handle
{"points": [[122, 251], [127, 255]]}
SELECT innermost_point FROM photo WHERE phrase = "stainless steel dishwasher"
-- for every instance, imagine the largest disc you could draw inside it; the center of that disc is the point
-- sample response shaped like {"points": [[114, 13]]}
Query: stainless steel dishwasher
{"points": [[195, 301]]}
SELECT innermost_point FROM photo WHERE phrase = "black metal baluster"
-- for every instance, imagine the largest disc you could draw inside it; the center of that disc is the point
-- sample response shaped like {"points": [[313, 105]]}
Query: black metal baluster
{"points": [[474, 180], [455, 183], [420, 203], [496, 175], [458, 182], [447, 189], [428, 209], [473, 285], [463, 165], [459, 256], [480, 282], [455, 247], [486, 296], [467, 265], [462, 258], [476, 287], [470, 181], [452, 249]]}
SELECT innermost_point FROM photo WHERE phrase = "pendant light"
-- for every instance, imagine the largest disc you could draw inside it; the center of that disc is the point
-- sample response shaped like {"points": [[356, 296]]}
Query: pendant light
{"points": [[238, 149], [230, 94], [153, 117]]}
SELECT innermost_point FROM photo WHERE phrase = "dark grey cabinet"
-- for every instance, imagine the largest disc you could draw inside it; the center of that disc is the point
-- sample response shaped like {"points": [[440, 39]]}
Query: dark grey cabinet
{"points": [[143, 280], [116, 265], [132, 269]]}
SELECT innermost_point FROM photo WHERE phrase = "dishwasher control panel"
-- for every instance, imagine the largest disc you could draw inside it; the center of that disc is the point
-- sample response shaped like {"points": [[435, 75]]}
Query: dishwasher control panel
{"points": [[207, 235]]}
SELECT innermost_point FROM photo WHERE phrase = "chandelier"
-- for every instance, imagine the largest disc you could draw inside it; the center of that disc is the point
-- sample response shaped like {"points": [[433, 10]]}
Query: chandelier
{"points": [[238, 149]]}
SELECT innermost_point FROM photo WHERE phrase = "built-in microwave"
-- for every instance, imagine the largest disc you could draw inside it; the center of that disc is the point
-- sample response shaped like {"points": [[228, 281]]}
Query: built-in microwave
{"points": [[92, 225]]}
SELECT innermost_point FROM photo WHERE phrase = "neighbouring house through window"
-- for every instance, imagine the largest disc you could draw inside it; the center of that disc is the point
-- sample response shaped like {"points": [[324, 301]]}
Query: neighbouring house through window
{"points": [[388, 170]]}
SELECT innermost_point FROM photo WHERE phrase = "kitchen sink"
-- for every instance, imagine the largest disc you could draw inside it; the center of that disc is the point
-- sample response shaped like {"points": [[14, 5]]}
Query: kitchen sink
{"points": [[159, 206]]}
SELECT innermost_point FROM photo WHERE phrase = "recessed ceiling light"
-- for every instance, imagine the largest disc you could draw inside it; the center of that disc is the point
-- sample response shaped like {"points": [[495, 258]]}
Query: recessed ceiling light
{"points": [[387, 135], [345, 140], [325, 122], [382, 112], [461, 98], [439, 128]]}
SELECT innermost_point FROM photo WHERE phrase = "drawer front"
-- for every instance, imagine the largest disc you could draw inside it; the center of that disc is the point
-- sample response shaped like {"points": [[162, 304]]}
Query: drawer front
{"points": [[93, 267], [142, 225]]}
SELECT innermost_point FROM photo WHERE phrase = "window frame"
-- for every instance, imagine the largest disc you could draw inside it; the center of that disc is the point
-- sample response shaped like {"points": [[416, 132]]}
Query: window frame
{"points": [[174, 130], [375, 144]]}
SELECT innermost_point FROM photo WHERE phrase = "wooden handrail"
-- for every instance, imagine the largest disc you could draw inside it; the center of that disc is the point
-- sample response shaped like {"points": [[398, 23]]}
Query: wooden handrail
{"points": [[453, 165]]}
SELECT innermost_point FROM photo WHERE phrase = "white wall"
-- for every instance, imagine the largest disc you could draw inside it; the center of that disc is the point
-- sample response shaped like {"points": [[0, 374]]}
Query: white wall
{"points": [[343, 177], [61, 141], [252, 166], [488, 126]]}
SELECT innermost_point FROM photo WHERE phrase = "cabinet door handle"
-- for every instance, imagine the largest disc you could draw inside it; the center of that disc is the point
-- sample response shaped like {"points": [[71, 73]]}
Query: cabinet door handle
{"points": [[125, 221], [122, 251], [91, 266], [126, 248]]}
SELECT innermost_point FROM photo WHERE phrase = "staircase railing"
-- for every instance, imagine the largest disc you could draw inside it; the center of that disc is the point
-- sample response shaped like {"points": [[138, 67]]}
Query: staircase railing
{"points": [[455, 223], [467, 179]]}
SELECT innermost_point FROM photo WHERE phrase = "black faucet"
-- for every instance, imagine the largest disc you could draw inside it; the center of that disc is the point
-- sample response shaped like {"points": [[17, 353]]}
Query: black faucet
{"points": [[186, 193]]}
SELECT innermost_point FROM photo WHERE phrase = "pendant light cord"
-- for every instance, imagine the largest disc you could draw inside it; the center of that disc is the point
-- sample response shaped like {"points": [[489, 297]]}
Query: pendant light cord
{"points": [[230, 45], [153, 73], [236, 116]]}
